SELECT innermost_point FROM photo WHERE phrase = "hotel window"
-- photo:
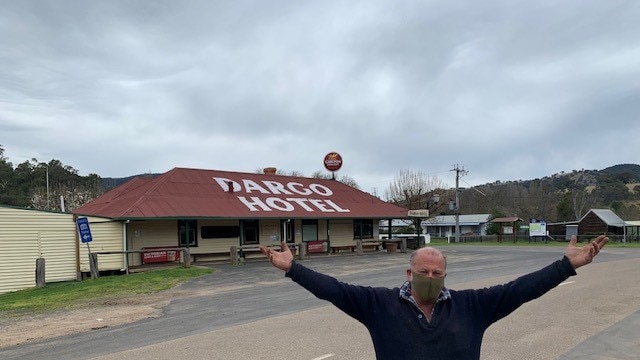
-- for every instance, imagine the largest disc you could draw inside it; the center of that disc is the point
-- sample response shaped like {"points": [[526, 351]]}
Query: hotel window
{"points": [[309, 230], [187, 233], [219, 232], [363, 228]]}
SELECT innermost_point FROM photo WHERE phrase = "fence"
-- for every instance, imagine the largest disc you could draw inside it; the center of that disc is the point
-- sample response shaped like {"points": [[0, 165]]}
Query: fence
{"points": [[185, 259], [542, 239]]}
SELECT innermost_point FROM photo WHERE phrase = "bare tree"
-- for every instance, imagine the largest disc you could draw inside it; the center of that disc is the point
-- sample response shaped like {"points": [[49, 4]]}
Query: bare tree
{"points": [[320, 175], [282, 172], [412, 189], [348, 180], [582, 201], [345, 179], [290, 173]]}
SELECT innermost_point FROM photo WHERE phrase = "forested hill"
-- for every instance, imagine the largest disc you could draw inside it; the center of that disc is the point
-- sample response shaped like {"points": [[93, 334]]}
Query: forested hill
{"points": [[560, 197], [623, 174], [110, 183], [630, 171]]}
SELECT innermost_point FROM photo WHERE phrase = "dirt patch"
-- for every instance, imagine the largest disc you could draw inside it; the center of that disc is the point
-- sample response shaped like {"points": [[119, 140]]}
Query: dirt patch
{"points": [[24, 328]]}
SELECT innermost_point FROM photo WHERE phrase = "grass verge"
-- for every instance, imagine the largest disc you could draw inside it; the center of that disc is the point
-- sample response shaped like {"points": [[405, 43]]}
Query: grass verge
{"points": [[66, 295]]}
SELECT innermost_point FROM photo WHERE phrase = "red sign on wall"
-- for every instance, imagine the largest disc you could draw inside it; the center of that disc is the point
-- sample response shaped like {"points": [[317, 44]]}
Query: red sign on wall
{"points": [[157, 256], [315, 246]]}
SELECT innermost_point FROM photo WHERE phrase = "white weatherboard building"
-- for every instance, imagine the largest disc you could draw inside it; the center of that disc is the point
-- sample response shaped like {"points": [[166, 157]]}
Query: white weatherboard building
{"points": [[445, 225], [442, 225]]}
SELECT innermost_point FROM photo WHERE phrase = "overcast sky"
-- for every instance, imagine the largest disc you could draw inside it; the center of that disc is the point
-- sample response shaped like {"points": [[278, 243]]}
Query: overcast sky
{"points": [[508, 90]]}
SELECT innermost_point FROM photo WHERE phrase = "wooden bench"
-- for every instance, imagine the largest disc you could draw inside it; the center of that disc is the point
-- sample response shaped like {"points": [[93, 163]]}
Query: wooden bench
{"points": [[241, 251], [366, 245], [226, 254], [249, 249], [195, 257], [337, 248], [375, 245]]}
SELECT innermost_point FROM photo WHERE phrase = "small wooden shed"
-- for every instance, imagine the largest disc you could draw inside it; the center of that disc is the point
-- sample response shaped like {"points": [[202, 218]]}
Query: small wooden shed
{"points": [[601, 221], [594, 222]]}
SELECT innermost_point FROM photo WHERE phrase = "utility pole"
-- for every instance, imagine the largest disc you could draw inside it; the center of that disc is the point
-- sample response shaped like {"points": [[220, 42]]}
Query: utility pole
{"points": [[48, 203], [459, 172]]}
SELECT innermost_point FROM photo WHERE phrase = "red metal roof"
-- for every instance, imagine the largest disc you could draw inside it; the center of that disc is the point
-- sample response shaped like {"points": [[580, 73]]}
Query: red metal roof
{"points": [[195, 193], [506, 219]]}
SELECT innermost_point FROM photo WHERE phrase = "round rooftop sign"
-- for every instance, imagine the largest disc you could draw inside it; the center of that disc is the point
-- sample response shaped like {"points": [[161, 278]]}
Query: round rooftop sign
{"points": [[333, 161]]}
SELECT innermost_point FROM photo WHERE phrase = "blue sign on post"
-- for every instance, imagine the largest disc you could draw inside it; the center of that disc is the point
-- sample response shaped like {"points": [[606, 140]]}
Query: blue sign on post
{"points": [[83, 229]]}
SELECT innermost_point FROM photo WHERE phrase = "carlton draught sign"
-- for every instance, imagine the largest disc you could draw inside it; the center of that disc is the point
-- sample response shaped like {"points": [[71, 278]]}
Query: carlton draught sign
{"points": [[333, 161]]}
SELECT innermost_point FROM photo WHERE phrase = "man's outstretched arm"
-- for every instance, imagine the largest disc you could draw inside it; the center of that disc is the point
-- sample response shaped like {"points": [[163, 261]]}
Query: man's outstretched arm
{"points": [[352, 299], [499, 301], [580, 256]]}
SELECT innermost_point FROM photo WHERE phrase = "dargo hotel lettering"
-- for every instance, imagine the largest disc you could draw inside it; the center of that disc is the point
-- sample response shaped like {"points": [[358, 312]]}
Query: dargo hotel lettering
{"points": [[315, 197]]}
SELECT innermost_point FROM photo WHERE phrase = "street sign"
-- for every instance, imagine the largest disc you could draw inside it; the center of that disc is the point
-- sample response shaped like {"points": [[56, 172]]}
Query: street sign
{"points": [[418, 213], [83, 230]]}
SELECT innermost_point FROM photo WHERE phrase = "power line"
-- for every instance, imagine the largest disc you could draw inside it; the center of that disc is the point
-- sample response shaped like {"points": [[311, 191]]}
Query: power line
{"points": [[474, 188]]}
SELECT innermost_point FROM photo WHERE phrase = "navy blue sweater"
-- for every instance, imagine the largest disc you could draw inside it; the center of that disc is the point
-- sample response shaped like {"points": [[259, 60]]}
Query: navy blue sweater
{"points": [[400, 331]]}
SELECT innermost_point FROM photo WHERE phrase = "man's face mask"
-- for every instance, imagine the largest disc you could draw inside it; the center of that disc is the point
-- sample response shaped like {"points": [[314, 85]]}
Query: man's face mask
{"points": [[426, 287]]}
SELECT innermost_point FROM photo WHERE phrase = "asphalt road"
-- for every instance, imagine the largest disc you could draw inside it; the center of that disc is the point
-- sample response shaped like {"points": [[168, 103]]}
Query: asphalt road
{"points": [[254, 312]]}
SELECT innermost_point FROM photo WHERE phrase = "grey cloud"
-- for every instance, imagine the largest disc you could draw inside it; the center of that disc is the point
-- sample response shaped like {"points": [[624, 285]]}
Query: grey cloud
{"points": [[240, 85]]}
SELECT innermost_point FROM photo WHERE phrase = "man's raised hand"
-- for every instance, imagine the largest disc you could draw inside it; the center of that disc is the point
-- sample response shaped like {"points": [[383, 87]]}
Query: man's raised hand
{"points": [[281, 259], [579, 256]]}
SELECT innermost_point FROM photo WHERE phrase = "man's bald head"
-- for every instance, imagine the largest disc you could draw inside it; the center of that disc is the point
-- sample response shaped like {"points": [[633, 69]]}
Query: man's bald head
{"points": [[427, 251]]}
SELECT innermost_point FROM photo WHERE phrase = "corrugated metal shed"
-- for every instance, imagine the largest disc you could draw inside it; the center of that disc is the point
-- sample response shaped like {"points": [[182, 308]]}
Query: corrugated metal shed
{"points": [[509, 219], [196, 193], [607, 216], [395, 222], [108, 236], [27, 234], [448, 220]]}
